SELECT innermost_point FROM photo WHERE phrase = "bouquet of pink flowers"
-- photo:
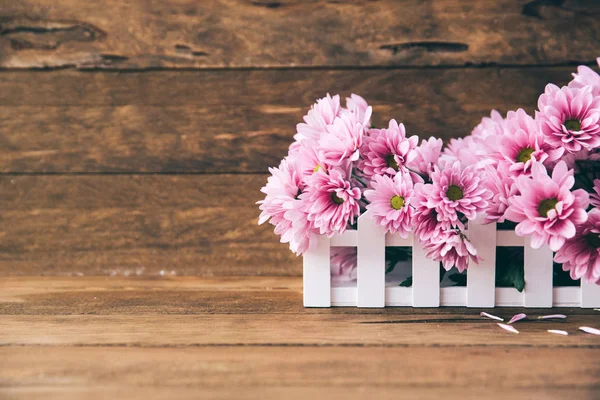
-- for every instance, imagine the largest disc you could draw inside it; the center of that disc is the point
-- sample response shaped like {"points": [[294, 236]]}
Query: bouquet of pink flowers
{"points": [[534, 174]]}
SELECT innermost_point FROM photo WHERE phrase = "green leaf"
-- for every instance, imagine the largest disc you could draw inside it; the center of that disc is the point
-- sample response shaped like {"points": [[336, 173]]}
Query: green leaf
{"points": [[509, 268], [407, 282], [458, 279]]}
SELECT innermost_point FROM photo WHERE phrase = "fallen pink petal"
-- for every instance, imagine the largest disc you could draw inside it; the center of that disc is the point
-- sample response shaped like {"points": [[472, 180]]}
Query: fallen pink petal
{"points": [[553, 316], [517, 317], [509, 328], [592, 331], [558, 332], [490, 316]]}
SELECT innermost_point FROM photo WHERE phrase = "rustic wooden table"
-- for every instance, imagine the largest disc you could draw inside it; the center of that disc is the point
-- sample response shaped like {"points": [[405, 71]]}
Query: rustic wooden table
{"points": [[134, 138], [101, 337]]}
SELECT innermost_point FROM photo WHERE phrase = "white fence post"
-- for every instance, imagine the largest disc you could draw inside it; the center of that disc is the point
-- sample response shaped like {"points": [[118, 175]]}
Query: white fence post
{"points": [[425, 278], [316, 275], [590, 294], [538, 276], [481, 278], [370, 283]]}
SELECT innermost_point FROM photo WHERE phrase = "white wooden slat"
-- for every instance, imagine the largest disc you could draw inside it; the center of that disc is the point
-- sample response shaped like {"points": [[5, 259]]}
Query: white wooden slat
{"points": [[346, 239], [398, 241], [590, 294], [509, 297], [343, 296], [508, 239], [426, 278], [371, 263], [538, 276], [398, 296], [453, 296], [481, 277], [316, 275], [566, 296]]}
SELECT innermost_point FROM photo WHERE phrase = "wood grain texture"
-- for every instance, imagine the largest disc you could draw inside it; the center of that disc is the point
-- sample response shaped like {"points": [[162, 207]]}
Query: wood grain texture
{"points": [[249, 336], [399, 371], [95, 295], [187, 33], [121, 224], [259, 392], [246, 311], [228, 121]]}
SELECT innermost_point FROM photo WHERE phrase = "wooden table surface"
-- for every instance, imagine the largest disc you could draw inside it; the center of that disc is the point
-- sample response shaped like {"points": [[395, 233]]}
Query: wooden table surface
{"points": [[134, 138], [189, 337]]}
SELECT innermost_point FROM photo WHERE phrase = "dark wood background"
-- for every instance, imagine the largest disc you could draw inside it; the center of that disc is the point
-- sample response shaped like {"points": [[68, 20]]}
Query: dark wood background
{"points": [[135, 134]]}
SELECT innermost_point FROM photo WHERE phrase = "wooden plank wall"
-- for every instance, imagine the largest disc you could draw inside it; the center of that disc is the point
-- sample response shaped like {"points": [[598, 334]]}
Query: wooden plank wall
{"points": [[135, 135]]}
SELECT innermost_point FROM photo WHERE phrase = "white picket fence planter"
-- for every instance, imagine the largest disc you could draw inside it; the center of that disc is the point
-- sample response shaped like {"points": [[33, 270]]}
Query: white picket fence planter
{"points": [[371, 289]]}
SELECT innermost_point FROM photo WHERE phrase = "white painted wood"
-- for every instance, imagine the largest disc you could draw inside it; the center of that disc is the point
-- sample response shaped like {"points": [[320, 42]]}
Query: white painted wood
{"points": [[538, 276], [346, 239], [343, 296], [508, 239], [590, 294], [371, 263], [398, 241], [316, 275], [398, 296], [509, 297], [566, 296], [481, 278], [426, 278], [453, 296]]}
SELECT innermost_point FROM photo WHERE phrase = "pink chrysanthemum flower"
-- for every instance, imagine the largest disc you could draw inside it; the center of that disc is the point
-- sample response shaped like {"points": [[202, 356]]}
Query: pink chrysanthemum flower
{"points": [[595, 197], [546, 209], [569, 117], [456, 190], [523, 144], [586, 76], [385, 151], [427, 156], [468, 151], [319, 118], [284, 185], [452, 250], [425, 219], [331, 201], [390, 202], [298, 231], [282, 208], [306, 158], [343, 263], [489, 126], [343, 139], [360, 107], [503, 188], [581, 254]]}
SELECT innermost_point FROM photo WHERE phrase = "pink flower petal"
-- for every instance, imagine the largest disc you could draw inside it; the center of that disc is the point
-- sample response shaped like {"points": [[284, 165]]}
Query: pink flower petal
{"points": [[517, 317], [509, 328], [553, 316], [592, 331], [490, 316], [558, 332]]}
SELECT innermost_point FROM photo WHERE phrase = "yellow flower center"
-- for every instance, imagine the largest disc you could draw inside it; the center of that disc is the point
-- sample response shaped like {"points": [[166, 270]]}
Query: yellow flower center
{"points": [[573, 124], [546, 205], [593, 240], [317, 168], [454, 193], [397, 202], [336, 199], [392, 163], [525, 154]]}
